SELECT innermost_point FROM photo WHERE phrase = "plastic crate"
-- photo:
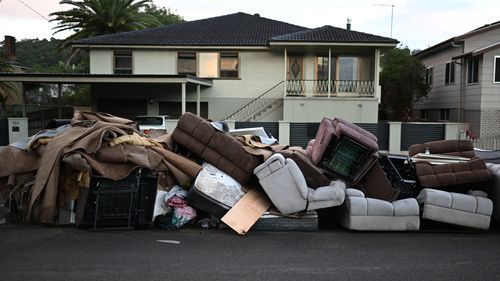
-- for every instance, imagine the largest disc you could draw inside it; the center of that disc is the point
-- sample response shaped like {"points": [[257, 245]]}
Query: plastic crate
{"points": [[124, 204]]}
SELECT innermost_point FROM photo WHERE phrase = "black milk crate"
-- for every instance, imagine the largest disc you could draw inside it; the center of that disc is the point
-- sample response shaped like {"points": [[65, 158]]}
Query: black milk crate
{"points": [[122, 204], [344, 157]]}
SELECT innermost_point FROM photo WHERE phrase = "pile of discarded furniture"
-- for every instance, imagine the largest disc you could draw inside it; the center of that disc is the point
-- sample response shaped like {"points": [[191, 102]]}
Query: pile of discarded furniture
{"points": [[100, 172]]}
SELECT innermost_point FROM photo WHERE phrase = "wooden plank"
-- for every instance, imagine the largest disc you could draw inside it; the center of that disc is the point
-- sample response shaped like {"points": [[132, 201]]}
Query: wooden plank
{"points": [[247, 211]]}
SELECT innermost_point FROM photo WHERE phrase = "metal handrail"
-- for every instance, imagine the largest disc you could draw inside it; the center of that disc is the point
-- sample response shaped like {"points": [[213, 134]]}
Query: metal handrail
{"points": [[260, 101]]}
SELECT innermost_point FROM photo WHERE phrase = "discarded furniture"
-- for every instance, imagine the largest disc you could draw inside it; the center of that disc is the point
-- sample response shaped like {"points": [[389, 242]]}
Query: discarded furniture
{"points": [[344, 149], [218, 148], [470, 210], [449, 174], [400, 172], [127, 203], [286, 186], [375, 184], [276, 222], [369, 214], [214, 192], [494, 190], [315, 176]]}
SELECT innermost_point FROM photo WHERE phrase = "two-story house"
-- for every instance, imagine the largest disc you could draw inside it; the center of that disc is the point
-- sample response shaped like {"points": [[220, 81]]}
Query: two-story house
{"points": [[464, 72], [241, 67]]}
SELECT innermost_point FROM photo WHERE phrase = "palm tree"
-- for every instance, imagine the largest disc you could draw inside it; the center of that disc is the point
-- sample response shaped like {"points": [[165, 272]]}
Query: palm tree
{"points": [[7, 89], [90, 18]]}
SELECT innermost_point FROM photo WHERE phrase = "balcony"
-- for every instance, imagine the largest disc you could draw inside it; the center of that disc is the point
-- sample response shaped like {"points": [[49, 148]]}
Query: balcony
{"points": [[333, 88]]}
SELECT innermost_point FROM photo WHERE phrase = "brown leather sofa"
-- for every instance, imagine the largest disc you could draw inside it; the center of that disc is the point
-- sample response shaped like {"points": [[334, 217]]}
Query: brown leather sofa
{"points": [[218, 148], [452, 176]]}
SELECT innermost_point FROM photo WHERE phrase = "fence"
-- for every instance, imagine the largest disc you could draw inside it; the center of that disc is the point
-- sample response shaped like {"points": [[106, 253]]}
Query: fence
{"points": [[488, 143]]}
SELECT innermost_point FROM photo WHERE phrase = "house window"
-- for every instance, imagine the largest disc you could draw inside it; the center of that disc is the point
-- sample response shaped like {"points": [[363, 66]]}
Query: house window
{"points": [[348, 72], [428, 76], [472, 70], [348, 68], [424, 114], [444, 114], [186, 63], [322, 64], [229, 65], [122, 62], [496, 70], [450, 73], [208, 65]]}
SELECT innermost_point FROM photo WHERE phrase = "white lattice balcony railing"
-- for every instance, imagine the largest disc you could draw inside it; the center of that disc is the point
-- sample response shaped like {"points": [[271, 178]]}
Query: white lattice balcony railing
{"points": [[333, 88]]}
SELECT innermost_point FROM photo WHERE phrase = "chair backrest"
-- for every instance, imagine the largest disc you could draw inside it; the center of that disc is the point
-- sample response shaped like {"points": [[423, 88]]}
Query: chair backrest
{"points": [[283, 183]]}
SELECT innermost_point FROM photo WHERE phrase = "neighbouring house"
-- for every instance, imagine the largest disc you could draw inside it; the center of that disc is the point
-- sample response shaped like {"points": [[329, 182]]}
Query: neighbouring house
{"points": [[239, 67], [464, 72]]}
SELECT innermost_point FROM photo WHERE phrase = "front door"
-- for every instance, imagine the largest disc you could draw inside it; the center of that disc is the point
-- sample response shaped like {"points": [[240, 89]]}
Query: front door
{"points": [[295, 83]]}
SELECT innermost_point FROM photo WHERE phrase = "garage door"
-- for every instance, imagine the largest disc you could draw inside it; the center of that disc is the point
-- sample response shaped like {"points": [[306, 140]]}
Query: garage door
{"points": [[127, 108]]}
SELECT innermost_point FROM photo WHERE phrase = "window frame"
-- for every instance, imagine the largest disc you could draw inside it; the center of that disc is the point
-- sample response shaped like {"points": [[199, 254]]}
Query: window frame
{"points": [[444, 114], [233, 55], [496, 69], [424, 114], [429, 73], [123, 54], [185, 53], [449, 74], [473, 68]]}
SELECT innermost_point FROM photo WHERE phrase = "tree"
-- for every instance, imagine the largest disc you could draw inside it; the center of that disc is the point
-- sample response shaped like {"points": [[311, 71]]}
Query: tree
{"points": [[90, 18], [164, 15], [41, 56], [403, 83], [7, 89]]}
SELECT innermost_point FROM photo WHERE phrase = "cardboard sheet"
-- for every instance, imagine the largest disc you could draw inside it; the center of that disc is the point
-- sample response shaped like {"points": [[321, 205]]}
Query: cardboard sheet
{"points": [[247, 211]]}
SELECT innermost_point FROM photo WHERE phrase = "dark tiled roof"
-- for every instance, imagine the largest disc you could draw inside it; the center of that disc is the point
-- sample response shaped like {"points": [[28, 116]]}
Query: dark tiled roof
{"points": [[332, 34], [237, 29]]}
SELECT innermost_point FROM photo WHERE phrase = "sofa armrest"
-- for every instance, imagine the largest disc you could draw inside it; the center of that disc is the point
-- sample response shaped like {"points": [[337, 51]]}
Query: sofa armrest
{"points": [[353, 192]]}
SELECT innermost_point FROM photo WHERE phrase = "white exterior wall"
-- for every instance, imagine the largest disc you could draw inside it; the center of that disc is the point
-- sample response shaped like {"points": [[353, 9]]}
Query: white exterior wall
{"points": [[490, 91], [259, 71], [356, 110], [441, 95], [154, 62], [481, 40], [101, 61]]}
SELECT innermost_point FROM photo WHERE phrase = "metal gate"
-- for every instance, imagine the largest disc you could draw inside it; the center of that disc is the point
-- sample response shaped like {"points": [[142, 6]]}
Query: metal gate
{"points": [[420, 133]]}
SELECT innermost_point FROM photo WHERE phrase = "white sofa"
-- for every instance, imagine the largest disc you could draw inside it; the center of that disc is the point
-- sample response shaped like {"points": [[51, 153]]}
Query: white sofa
{"points": [[370, 214], [469, 210], [286, 186], [494, 190]]}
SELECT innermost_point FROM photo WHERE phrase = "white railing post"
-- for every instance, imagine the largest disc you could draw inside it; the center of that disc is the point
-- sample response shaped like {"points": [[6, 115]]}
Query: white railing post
{"points": [[329, 71], [285, 76], [376, 92]]}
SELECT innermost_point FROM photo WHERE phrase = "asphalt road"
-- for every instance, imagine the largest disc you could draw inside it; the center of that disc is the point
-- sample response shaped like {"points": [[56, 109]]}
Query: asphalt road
{"points": [[67, 253]]}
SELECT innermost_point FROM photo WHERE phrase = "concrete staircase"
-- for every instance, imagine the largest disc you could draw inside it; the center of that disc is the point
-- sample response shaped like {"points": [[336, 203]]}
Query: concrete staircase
{"points": [[261, 106]]}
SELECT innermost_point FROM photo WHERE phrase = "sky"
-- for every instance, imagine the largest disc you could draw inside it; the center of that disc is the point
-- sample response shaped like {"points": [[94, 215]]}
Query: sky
{"points": [[417, 24]]}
